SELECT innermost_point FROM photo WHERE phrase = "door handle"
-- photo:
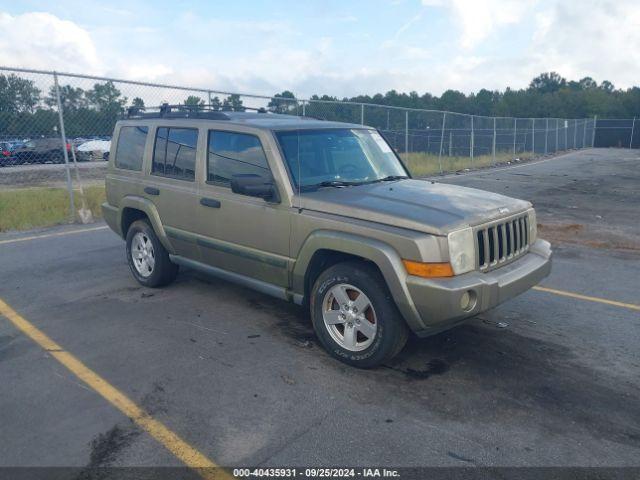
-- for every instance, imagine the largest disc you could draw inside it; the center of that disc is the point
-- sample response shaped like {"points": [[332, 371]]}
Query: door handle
{"points": [[151, 191], [210, 202]]}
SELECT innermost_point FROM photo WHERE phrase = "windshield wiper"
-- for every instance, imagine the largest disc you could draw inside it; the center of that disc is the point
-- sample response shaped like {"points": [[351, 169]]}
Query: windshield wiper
{"points": [[392, 177], [335, 183]]}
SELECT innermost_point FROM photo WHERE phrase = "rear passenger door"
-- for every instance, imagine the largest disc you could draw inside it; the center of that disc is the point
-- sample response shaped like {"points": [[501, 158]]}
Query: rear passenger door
{"points": [[241, 234], [171, 184]]}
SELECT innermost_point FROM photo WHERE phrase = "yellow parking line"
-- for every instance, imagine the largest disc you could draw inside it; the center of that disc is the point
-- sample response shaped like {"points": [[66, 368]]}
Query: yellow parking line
{"points": [[588, 298], [190, 456], [56, 234]]}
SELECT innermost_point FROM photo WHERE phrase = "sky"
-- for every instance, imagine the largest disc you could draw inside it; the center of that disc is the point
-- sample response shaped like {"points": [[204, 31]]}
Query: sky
{"points": [[339, 48]]}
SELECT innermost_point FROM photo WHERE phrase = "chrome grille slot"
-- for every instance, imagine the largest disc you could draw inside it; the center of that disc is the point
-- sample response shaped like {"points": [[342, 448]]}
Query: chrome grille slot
{"points": [[501, 242]]}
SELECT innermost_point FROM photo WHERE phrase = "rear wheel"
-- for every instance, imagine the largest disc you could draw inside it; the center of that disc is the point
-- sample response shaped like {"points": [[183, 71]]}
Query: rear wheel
{"points": [[148, 259], [355, 316]]}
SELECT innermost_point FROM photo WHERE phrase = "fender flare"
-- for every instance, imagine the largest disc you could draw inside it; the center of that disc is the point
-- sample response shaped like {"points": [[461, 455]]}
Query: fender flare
{"points": [[385, 257], [146, 206]]}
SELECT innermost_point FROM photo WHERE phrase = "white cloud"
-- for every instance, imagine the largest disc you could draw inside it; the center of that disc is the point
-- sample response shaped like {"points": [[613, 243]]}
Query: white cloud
{"points": [[43, 41], [478, 19], [589, 38]]}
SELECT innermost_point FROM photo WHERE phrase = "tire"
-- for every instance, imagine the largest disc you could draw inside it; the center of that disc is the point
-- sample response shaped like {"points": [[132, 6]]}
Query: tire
{"points": [[364, 338], [154, 269]]}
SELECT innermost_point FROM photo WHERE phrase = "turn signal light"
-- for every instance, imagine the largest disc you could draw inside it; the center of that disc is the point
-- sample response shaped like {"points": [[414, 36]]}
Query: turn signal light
{"points": [[428, 270]]}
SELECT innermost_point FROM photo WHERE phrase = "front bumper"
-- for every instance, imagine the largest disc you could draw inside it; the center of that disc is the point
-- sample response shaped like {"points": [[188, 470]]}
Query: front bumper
{"points": [[438, 301]]}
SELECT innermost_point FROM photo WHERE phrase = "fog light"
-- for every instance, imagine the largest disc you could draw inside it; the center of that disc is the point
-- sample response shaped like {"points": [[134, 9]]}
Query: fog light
{"points": [[468, 300]]}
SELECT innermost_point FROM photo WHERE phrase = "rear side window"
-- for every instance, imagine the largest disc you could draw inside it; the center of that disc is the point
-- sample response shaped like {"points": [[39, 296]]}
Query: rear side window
{"points": [[130, 147], [232, 153], [174, 153]]}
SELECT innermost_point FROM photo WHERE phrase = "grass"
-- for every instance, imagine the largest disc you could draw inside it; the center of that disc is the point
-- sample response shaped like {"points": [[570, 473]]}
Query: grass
{"points": [[420, 163], [25, 208]]}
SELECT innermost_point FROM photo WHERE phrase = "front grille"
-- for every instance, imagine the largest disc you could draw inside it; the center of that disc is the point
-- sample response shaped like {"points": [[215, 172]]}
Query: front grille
{"points": [[500, 242]]}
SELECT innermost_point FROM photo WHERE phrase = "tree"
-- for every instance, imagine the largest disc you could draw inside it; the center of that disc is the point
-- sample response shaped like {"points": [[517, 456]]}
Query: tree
{"points": [[233, 102], [138, 103], [607, 86], [547, 83], [194, 101], [72, 99], [278, 104], [18, 94], [106, 96]]}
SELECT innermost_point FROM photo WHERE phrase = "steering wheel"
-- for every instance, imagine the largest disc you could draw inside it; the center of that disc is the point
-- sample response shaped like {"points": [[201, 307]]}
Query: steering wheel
{"points": [[348, 169]]}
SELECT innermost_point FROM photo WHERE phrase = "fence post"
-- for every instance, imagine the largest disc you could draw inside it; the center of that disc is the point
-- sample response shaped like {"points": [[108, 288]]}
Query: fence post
{"points": [[584, 133], [450, 143], [406, 131], [515, 130], [533, 136], [362, 114], [493, 144], [566, 132], [444, 118], [575, 131], [556, 146], [593, 132], [472, 140], [546, 135], [64, 148], [304, 108], [633, 126]]}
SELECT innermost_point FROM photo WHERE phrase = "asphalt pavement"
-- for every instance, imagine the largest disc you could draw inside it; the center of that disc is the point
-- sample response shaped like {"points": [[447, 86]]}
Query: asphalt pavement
{"points": [[542, 380]]}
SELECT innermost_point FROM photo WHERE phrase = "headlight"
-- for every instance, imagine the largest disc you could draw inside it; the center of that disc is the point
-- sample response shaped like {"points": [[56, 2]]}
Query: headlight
{"points": [[462, 251], [533, 226]]}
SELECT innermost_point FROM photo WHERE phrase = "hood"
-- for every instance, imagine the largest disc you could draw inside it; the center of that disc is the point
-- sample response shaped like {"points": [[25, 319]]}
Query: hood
{"points": [[420, 205]]}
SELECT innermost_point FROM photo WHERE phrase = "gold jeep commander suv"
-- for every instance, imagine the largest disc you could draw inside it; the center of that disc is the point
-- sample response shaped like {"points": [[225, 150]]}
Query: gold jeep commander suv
{"points": [[320, 213]]}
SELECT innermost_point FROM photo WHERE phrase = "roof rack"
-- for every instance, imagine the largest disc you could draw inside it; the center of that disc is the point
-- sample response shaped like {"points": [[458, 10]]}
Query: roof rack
{"points": [[210, 111], [206, 111]]}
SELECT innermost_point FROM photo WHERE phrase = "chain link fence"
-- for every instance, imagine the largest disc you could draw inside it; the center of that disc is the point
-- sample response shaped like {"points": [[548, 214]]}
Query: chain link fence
{"points": [[48, 117]]}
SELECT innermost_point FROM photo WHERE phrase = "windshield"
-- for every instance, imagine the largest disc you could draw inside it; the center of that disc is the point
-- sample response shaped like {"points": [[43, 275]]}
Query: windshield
{"points": [[338, 157]]}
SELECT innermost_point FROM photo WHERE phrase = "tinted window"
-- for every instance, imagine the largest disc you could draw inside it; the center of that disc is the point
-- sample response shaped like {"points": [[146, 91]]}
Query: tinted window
{"points": [[131, 147], [234, 153], [174, 153]]}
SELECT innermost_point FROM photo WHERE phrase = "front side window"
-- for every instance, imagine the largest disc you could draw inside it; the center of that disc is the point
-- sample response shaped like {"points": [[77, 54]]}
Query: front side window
{"points": [[174, 153], [130, 149], [329, 157], [232, 153]]}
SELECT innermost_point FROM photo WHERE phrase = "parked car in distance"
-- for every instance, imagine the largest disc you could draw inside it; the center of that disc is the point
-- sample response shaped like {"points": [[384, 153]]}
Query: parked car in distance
{"points": [[40, 150], [93, 150], [323, 214]]}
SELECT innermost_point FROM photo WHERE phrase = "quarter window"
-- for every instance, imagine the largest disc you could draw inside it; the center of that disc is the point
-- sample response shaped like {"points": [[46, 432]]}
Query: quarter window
{"points": [[174, 153], [232, 153], [130, 149]]}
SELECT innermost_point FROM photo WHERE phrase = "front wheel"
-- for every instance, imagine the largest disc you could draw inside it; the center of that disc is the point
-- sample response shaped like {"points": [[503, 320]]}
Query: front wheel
{"points": [[148, 259], [355, 316]]}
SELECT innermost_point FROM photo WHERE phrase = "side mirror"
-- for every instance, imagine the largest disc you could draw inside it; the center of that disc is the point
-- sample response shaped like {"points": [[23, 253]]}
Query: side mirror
{"points": [[254, 186]]}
